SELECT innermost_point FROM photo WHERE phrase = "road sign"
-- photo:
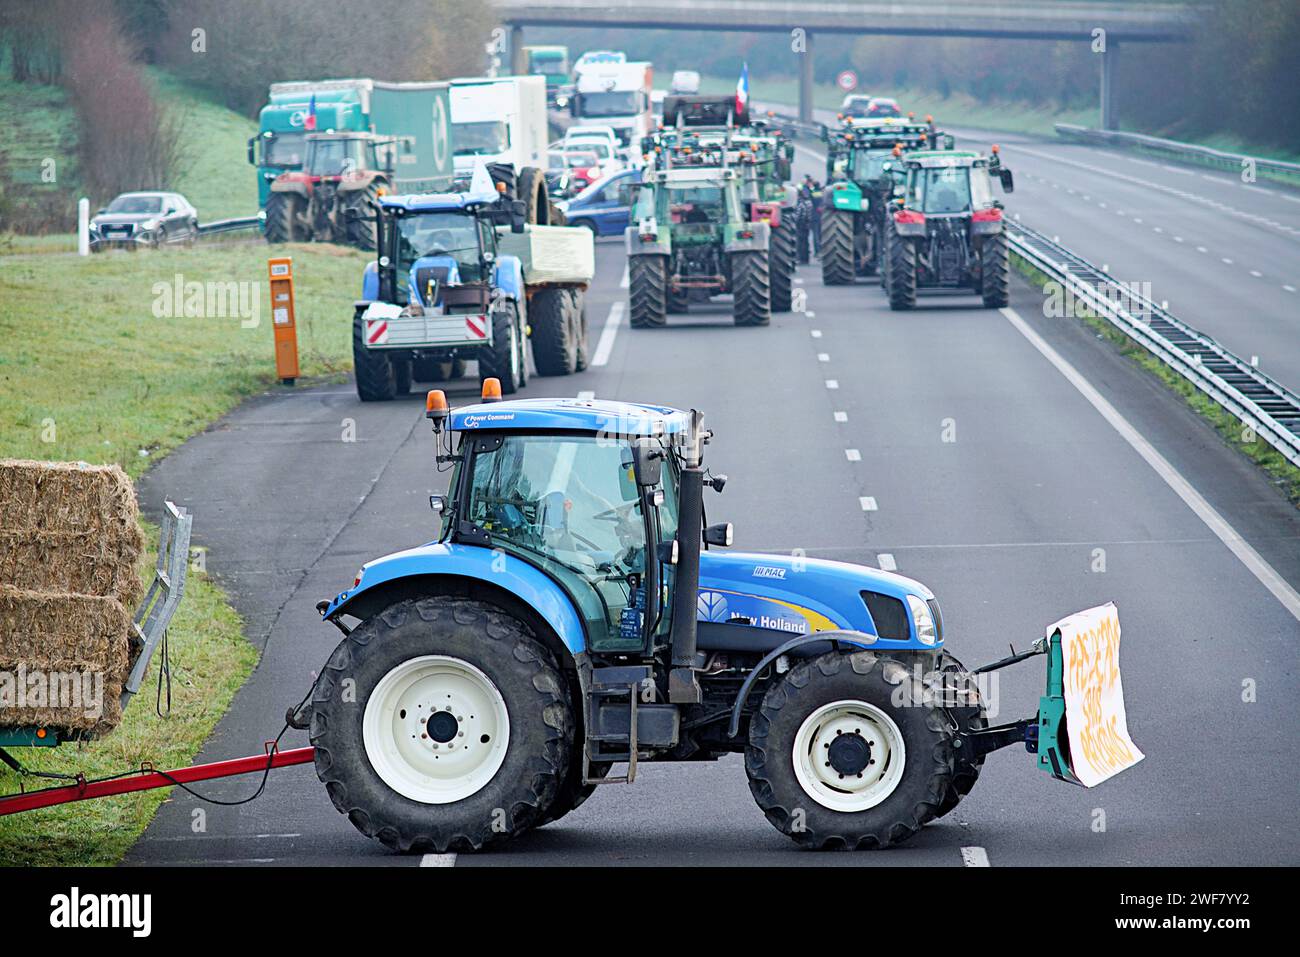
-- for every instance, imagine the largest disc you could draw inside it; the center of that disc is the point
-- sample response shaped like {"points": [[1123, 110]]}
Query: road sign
{"points": [[847, 80]]}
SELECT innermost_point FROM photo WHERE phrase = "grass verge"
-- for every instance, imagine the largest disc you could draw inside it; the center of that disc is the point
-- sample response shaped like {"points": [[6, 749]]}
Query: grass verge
{"points": [[89, 371], [1284, 475]]}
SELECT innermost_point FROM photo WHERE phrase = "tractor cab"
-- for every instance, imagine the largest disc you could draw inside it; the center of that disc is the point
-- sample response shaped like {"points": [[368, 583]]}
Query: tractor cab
{"points": [[432, 245], [334, 155]]}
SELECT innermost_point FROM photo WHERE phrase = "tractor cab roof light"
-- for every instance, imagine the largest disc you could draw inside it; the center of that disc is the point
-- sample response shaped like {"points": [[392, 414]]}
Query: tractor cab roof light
{"points": [[491, 390], [435, 408]]}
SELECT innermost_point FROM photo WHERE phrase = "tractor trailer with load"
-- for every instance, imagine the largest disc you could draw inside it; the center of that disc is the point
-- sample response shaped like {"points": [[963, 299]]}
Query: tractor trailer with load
{"points": [[498, 120], [470, 275], [400, 143]]}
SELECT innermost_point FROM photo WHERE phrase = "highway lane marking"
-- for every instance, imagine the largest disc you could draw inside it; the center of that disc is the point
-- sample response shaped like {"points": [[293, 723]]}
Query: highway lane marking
{"points": [[868, 503], [887, 562], [1256, 273], [1289, 288], [841, 417], [586, 396], [622, 283], [832, 383], [816, 333], [438, 860], [975, 857], [1216, 523], [823, 357], [853, 455], [810, 314], [606, 344]]}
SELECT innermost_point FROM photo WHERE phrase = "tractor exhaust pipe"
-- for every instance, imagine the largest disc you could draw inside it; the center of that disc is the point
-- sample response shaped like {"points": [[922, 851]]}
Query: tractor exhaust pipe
{"points": [[683, 681]]}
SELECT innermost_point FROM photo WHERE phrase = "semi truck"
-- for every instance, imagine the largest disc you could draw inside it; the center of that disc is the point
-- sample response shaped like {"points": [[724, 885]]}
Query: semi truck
{"points": [[410, 121], [498, 120], [551, 63], [616, 95]]}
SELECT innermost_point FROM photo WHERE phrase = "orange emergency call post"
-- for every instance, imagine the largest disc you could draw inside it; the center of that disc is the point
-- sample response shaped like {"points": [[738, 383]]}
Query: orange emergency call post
{"points": [[286, 333]]}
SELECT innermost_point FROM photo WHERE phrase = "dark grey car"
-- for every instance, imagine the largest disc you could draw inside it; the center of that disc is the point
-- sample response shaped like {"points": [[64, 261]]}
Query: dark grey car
{"points": [[144, 219]]}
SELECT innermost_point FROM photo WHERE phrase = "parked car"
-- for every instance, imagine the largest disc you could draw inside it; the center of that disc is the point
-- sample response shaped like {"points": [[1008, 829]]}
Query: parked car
{"points": [[604, 207], [133, 220]]}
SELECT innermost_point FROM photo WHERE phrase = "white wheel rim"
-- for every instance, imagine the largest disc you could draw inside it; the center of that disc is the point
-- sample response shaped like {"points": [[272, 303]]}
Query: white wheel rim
{"points": [[409, 716], [849, 793]]}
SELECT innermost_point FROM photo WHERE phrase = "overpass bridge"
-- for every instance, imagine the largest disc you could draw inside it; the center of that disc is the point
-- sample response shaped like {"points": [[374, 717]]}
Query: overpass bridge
{"points": [[1122, 23]]}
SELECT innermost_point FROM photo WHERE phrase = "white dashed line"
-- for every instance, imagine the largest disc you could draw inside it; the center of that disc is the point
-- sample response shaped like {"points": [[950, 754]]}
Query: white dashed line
{"points": [[622, 283], [1226, 261], [1201, 249], [816, 333], [586, 396], [887, 562], [606, 344], [975, 857], [823, 357], [832, 383], [1289, 288], [1265, 573], [853, 455], [810, 314], [868, 503], [841, 417], [1256, 273], [438, 860]]}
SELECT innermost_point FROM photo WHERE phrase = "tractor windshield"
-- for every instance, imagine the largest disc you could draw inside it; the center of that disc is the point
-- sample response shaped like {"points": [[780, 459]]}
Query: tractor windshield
{"points": [[869, 165], [569, 505], [941, 190], [453, 234], [335, 157]]}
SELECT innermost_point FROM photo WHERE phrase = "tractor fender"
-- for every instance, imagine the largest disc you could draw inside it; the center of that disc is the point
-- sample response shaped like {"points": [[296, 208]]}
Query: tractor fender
{"points": [[419, 571], [635, 246], [360, 180], [508, 277], [858, 639], [757, 241], [292, 182]]}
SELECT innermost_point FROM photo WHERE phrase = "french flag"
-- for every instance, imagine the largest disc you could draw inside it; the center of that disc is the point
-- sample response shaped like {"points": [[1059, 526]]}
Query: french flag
{"points": [[310, 122], [742, 89]]}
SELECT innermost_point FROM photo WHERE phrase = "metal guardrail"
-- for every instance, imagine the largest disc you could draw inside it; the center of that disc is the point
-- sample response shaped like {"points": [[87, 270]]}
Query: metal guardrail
{"points": [[232, 225], [1205, 154], [164, 594], [1258, 401]]}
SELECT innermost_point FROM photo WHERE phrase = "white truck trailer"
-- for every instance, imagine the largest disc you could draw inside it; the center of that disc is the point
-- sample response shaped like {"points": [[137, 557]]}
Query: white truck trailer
{"points": [[616, 95], [498, 120]]}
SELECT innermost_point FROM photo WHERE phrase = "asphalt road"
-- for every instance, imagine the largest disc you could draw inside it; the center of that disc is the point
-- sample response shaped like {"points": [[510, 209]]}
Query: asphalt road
{"points": [[1003, 524], [1223, 253]]}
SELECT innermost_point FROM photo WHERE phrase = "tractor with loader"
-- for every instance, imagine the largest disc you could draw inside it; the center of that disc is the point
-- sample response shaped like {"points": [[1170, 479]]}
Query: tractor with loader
{"points": [[471, 275], [699, 226], [576, 614], [945, 230]]}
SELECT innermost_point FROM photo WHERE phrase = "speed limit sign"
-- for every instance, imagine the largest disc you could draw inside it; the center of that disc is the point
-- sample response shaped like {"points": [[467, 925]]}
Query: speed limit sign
{"points": [[847, 80]]}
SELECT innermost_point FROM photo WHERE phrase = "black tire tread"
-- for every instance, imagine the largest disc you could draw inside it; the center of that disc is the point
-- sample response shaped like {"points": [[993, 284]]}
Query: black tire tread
{"points": [[995, 272], [781, 262], [551, 320], [647, 291], [751, 289], [836, 249], [375, 375]]}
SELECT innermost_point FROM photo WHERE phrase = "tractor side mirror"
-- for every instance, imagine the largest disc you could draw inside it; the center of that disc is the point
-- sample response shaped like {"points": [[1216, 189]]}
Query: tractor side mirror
{"points": [[518, 212], [647, 462], [719, 535], [948, 141], [252, 151], [1008, 181]]}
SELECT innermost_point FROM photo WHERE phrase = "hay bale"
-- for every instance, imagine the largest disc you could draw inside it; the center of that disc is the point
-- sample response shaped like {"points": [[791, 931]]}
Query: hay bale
{"points": [[69, 527], [63, 660]]}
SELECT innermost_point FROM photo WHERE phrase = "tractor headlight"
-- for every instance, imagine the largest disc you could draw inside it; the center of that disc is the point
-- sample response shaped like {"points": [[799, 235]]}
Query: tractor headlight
{"points": [[922, 620]]}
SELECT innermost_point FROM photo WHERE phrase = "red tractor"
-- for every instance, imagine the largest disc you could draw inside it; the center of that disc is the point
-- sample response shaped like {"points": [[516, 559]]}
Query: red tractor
{"points": [[331, 198]]}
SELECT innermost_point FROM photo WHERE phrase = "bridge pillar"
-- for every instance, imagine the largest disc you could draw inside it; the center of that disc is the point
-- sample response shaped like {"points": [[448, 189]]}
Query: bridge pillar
{"points": [[806, 79], [517, 64], [1109, 100]]}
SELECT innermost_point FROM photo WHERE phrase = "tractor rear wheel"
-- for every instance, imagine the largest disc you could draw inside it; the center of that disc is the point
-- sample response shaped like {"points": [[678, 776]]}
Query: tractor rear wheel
{"points": [[442, 724], [532, 190], [781, 262], [967, 709], [358, 214], [848, 751], [506, 360], [554, 334], [900, 274], [836, 248], [284, 212], [579, 298], [376, 376], [678, 301], [995, 272], [751, 289], [647, 291], [803, 239]]}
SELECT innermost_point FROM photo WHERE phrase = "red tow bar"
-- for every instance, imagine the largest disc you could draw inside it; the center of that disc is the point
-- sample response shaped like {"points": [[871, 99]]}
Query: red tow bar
{"points": [[146, 779]]}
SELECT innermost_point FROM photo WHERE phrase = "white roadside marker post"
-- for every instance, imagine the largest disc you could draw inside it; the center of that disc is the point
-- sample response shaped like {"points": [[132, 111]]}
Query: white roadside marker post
{"points": [[83, 227]]}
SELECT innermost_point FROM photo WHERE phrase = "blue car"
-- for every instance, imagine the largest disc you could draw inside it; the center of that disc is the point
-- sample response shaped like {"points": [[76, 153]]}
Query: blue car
{"points": [[605, 207]]}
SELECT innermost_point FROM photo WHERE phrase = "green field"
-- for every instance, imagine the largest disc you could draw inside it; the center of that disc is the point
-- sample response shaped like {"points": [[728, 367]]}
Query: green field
{"points": [[100, 377]]}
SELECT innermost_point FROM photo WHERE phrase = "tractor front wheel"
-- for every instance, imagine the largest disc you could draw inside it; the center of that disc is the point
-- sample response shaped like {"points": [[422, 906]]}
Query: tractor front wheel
{"points": [[961, 695], [284, 218], [647, 291], [442, 724], [836, 249], [995, 272], [849, 751], [751, 289]]}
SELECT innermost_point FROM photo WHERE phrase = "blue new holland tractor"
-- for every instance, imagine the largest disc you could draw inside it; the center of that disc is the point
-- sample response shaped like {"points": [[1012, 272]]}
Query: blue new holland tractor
{"points": [[576, 614]]}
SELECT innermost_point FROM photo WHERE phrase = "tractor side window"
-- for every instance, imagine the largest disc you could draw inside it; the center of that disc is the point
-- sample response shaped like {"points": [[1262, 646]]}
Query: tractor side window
{"points": [[568, 505], [981, 189]]}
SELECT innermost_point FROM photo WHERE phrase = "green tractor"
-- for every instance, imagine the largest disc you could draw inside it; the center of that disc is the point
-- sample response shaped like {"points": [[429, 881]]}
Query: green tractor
{"points": [[862, 171], [698, 229], [945, 229]]}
